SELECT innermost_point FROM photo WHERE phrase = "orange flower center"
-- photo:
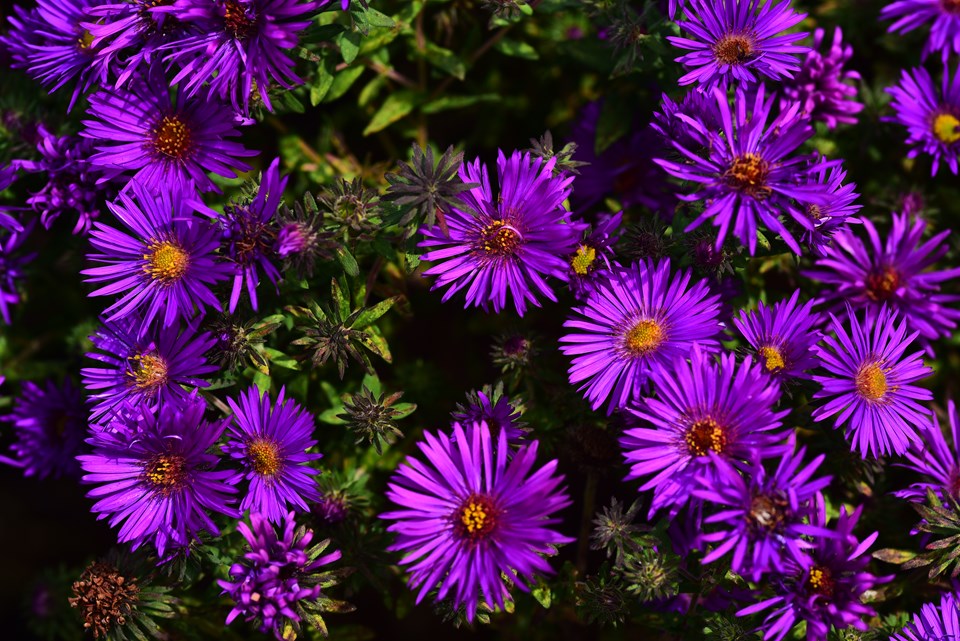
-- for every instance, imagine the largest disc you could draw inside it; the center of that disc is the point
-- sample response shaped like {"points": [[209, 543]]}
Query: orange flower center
{"points": [[871, 382], [882, 284], [733, 49], [171, 137], [264, 457], [748, 173], [821, 581], [476, 518], [499, 239], [166, 473], [148, 372], [705, 435]]}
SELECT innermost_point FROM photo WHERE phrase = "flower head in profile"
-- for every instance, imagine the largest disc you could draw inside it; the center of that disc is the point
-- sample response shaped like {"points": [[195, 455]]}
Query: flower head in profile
{"points": [[508, 244], [835, 214], [738, 40], [936, 459], [50, 423], [473, 513], [933, 622], [491, 406], [944, 32], [822, 86], [161, 263], [271, 440], [593, 259], [932, 117], [639, 319], [869, 380], [702, 412], [155, 477], [13, 259], [782, 337]]}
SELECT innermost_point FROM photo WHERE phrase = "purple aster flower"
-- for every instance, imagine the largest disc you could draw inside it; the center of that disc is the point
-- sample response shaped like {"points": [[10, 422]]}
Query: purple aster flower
{"points": [[52, 45], [945, 15], [934, 623], [824, 587], [241, 48], [827, 219], [736, 40], [702, 412], [936, 460], [591, 262], [472, 514], [50, 425], [495, 410], [271, 442], [761, 516], [894, 272], [783, 337], [868, 383], [932, 118], [168, 146], [8, 176], [671, 122], [746, 171], [506, 244], [144, 367], [638, 320], [162, 265], [12, 261], [822, 86], [279, 577], [156, 476]]}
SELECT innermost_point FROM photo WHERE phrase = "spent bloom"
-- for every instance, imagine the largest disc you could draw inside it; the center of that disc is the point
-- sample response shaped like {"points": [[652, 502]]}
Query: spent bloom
{"points": [[782, 337], [932, 117], [936, 460], [473, 513], [823, 87], [933, 622], [944, 14], [508, 244]]}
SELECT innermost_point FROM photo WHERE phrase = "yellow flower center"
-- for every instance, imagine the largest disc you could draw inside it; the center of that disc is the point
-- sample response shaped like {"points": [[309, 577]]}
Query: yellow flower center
{"points": [[499, 239], [148, 372], [644, 337], [946, 127], [821, 581], [85, 40], [733, 49], [773, 358], [582, 261], [476, 518], [264, 457], [705, 435], [166, 261], [171, 137], [871, 382], [166, 473]]}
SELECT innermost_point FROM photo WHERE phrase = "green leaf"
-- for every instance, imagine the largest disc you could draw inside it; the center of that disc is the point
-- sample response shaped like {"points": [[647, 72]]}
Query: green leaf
{"points": [[376, 344], [262, 381], [370, 314], [347, 261], [349, 46], [446, 60], [291, 102], [517, 49], [343, 81], [376, 19], [457, 102], [403, 410], [542, 594], [396, 106], [280, 359], [896, 557]]}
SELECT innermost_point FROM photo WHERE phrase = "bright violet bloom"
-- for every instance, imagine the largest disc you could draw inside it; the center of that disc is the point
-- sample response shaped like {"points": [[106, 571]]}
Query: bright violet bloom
{"points": [[894, 272], [824, 587], [167, 146], [495, 410], [822, 86], [760, 516], [932, 117], [50, 424], [509, 242], [155, 477], [8, 176], [783, 338], [12, 261], [868, 383], [933, 622], [638, 320], [144, 368], [474, 512], [50, 43], [671, 121], [271, 442], [827, 219], [701, 412], [278, 576], [936, 460], [747, 171], [738, 41], [162, 264], [945, 31], [591, 262], [242, 46]]}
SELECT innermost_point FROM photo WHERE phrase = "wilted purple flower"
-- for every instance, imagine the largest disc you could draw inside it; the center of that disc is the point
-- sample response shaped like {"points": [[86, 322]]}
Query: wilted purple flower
{"points": [[868, 381], [505, 244], [271, 442], [838, 211], [932, 118], [168, 146], [894, 272], [155, 477], [591, 262], [50, 424], [12, 262], [934, 623], [783, 337], [473, 514], [701, 412], [936, 460], [822, 86], [737, 40], [945, 31], [638, 320]]}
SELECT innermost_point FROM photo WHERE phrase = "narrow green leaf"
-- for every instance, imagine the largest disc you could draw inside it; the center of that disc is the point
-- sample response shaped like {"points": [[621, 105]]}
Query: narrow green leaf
{"points": [[446, 60], [371, 314], [396, 106], [517, 49], [447, 103], [343, 81], [347, 261]]}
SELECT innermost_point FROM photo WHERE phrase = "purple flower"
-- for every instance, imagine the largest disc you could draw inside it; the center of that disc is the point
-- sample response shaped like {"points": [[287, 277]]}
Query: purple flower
{"points": [[894, 272], [162, 265], [277, 577], [50, 424], [271, 441], [824, 587], [734, 40], [827, 219], [54, 48], [702, 412], [637, 321], [783, 337], [936, 460], [746, 171], [495, 410], [12, 262], [168, 146], [591, 262], [761, 515], [472, 514], [241, 47], [505, 244], [868, 383], [822, 86], [8, 176], [932, 118], [155, 477], [671, 122], [144, 367], [934, 623], [945, 32]]}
